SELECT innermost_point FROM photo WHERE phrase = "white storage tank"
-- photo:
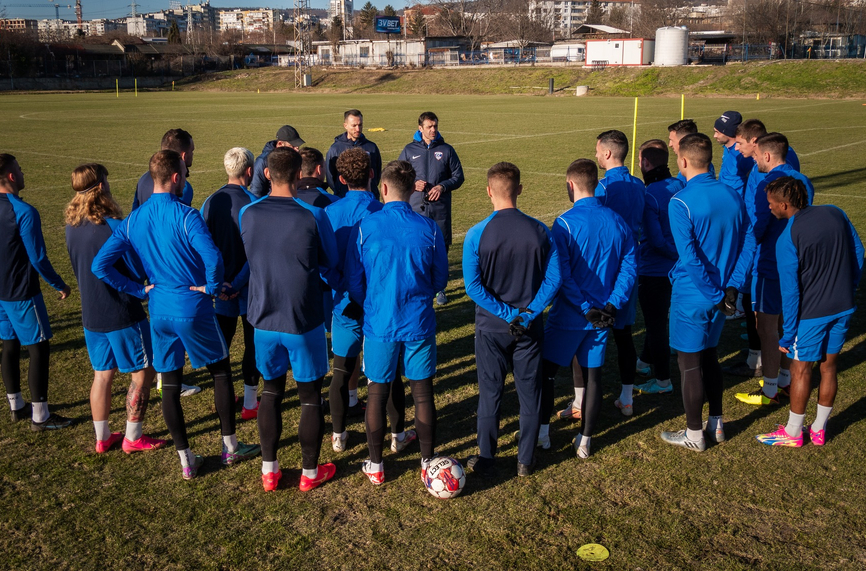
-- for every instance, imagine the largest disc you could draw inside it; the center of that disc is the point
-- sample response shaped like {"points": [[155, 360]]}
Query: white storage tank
{"points": [[672, 46]]}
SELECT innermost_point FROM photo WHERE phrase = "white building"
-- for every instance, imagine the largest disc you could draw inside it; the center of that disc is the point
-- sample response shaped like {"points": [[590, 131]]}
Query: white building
{"points": [[620, 52], [342, 8], [372, 52], [567, 15], [144, 26], [247, 21]]}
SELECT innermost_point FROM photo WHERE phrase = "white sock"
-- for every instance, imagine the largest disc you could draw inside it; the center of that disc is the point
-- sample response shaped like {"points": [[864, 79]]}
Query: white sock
{"points": [[270, 467], [714, 423], [250, 394], [771, 387], [40, 411], [187, 458], [231, 442], [694, 435], [663, 383], [625, 396], [311, 474], [578, 398], [133, 431], [784, 378], [341, 435], [821, 418], [795, 424], [353, 397], [754, 359], [16, 401], [398, 437], [102, 430], [380, 467], [583, 443], [543, 431]]}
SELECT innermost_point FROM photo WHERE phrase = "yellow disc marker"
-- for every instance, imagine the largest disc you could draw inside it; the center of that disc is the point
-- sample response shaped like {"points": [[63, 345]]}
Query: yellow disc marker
{"points": [[593, 552]]}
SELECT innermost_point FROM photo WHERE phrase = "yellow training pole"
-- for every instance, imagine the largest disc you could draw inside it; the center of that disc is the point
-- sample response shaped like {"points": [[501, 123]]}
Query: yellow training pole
{"points": [[682, 106], [117, 87], [136, 87], [634, 135]]}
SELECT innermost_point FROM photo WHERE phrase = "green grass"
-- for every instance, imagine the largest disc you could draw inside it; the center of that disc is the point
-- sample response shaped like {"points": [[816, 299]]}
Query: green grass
{"points": [[738, 505]]}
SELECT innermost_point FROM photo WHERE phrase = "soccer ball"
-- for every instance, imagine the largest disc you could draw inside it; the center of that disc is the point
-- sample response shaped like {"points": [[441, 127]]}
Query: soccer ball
{"points": [[444, 478]]}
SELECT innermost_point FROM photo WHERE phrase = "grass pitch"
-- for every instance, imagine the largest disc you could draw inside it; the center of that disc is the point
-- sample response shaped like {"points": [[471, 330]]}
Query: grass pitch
{"points": [[737, 505]]}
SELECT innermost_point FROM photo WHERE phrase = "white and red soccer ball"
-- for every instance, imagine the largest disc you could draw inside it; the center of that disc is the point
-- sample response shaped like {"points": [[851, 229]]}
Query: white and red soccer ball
{"points": [[444, 478]]}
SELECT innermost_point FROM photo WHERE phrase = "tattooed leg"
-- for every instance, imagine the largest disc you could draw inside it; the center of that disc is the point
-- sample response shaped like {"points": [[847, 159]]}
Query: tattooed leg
{"points": [[139, 394]]}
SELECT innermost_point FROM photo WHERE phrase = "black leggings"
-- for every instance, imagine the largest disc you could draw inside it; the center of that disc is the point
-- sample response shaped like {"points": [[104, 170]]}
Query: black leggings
{"points": [[228, 326], [751, 323], [224, 400], [270, 418], [338, 395], [626, 355], [37, 377], [311, 427], [548, 378], [701, 375], [591, 405], [392, 396], [654, 294]]}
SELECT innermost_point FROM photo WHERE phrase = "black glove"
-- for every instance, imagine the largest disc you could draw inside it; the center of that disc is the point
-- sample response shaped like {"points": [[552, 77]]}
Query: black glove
{"points": [[596, 318], [353, 310], [516, 327], [728, 305], [609, 313]]}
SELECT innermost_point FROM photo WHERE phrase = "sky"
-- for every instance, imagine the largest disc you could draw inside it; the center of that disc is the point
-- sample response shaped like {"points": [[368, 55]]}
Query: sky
{"points": [[94, 9]]}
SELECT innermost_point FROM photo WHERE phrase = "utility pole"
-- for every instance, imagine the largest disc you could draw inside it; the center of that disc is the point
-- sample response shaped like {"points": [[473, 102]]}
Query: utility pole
{"points": [[302, 40]]}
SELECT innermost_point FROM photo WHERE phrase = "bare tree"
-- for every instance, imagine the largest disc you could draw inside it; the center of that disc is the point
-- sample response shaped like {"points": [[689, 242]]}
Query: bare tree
{"points": [[470, 19], [655, 14], [517, 22]]}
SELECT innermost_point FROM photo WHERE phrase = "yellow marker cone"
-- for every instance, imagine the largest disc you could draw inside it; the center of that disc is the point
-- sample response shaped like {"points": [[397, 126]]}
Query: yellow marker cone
{"points": [[593, 552], [758, 97]]}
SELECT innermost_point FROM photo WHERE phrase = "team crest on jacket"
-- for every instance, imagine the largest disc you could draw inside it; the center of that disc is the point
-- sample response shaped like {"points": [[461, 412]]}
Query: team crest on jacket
{"points": [[438, 155]]}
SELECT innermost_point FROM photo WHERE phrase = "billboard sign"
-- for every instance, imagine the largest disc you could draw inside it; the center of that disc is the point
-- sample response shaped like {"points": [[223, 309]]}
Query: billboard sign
{"points": [[388, 25]]}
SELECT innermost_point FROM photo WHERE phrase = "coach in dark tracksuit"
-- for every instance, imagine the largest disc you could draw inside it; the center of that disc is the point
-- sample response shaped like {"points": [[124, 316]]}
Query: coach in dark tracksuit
{"points": [[438, 172], [511, 270], [287, 136], [353, 122]]}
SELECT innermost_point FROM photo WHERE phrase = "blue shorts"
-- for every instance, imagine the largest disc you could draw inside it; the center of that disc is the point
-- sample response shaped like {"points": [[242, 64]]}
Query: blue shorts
{"points": [[234, 307], [347, 336], [626, 315], [383, 359], [328, 303], [766, 295], [817, 338], [25, 320], [127, 349], [200, 338], [562, 345], [306, 353], [695, 327]]}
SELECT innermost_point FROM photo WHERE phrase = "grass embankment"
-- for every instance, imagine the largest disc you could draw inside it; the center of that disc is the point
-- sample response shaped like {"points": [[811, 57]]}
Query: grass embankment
{"points": [[831, 79]]}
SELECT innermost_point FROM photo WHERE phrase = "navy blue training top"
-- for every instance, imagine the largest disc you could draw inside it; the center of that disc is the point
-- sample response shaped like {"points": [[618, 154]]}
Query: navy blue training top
{"points": [[290, 246], [144, 190], [22, 251], [310, 190], [103, 308], [509, 263], [221, 212]]}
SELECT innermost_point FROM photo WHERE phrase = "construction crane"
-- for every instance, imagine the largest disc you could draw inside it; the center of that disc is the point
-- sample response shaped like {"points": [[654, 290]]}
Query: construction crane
{"points": [[56, 6]]}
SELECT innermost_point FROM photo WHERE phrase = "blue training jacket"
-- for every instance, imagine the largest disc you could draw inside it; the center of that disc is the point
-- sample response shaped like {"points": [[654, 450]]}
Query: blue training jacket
{"points": [[342, 143], [345, 215], [176, 250], [597, 258], [290, 248], [624, 194], [759, 249], [103, 308], [711, 169], [735, 169], [437, 164], [658, 253], [144, 190], [260, 185], [395, 263], [23, 257], [708, 221], [510, 262], [820, 260]]}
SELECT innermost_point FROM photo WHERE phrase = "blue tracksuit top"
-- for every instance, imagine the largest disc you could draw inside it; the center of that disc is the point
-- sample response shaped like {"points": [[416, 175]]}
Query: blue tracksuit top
{"points": [[345, 214], [221, 212], [144, 190], [658, 253], [438, 164], [103, 308], [708, 221], [310, 191], [509, 262], [260, 186], [342, 143], [176, 250], [711, 169], [23, 257], [624, 194], [759, 249], [820, 260], [735, 169], [597, 260], [290, 245], [401, 255]]}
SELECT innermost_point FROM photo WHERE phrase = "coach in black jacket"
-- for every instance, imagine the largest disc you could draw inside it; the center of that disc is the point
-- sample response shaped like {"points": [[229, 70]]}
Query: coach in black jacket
{"points": [[353, 123]]}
